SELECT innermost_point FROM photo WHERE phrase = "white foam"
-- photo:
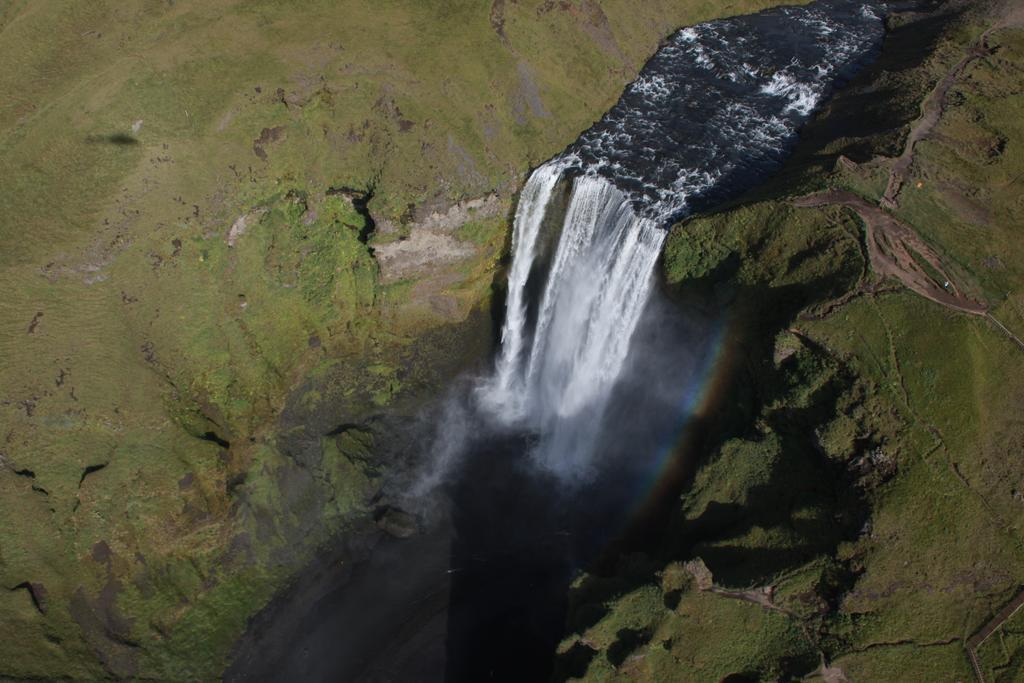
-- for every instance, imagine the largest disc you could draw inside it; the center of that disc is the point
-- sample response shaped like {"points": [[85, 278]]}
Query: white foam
{"points": [[504, 393], [700, 56], [652, 87], [803, 97], [557, 381], [688, 35]]}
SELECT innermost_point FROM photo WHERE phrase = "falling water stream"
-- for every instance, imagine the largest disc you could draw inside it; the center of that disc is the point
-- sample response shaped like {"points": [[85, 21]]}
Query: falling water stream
{"points": [[537, 465]]}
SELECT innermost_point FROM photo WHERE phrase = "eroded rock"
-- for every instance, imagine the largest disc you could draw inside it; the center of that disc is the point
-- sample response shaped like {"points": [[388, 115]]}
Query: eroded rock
{"points": [[397, 523], [432, 241], [242, 224]]}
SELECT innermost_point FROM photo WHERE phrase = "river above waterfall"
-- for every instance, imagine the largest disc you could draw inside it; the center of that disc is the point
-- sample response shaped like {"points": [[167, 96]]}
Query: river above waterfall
{"points": [[720, 103]]}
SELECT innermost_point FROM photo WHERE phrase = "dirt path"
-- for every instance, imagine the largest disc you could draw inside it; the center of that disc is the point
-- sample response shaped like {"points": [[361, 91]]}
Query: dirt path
{"points": [[762, 596], [1010, 15], [1017, 340], [895, 250], [975, 641], [759, 596], [931, 113]]}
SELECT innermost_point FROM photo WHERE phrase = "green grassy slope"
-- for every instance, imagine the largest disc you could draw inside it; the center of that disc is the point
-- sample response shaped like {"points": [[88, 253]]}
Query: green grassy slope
{"points": [[194, 332], [866, 463]]}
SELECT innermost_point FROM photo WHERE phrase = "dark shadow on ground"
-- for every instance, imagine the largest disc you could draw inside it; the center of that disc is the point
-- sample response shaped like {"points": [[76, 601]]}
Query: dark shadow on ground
{"points": [[803, 477], [379, 619], [120, 139]]}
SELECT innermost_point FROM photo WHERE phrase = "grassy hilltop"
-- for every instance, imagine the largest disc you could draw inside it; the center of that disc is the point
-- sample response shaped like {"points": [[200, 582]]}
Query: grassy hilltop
{"points": [[854, 511]]}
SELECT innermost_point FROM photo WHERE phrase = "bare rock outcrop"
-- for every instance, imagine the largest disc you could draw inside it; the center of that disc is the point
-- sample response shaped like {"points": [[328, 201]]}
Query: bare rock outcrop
{"points": [[432, 241]]}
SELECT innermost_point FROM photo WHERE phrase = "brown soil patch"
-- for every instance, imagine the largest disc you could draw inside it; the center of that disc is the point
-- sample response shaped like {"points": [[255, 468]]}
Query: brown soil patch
{"points": [[892, 247]]}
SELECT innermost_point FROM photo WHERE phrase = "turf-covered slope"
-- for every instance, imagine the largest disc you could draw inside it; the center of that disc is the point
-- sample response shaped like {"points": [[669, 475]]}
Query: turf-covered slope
{"points": [[852, 509], [203, 332]]}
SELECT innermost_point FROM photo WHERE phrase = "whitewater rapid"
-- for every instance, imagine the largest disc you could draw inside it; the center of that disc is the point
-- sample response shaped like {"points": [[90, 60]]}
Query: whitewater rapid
{"points": [[713, 112]]}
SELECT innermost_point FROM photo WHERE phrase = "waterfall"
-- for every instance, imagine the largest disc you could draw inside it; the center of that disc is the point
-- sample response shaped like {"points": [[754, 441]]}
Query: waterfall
{"points": [[701, 123], [505, 395], [556, 377]]}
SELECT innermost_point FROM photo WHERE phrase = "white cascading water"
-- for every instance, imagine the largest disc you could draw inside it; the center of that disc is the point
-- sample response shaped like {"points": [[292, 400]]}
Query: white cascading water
{"points": [[556, 380], [505, 395]]}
